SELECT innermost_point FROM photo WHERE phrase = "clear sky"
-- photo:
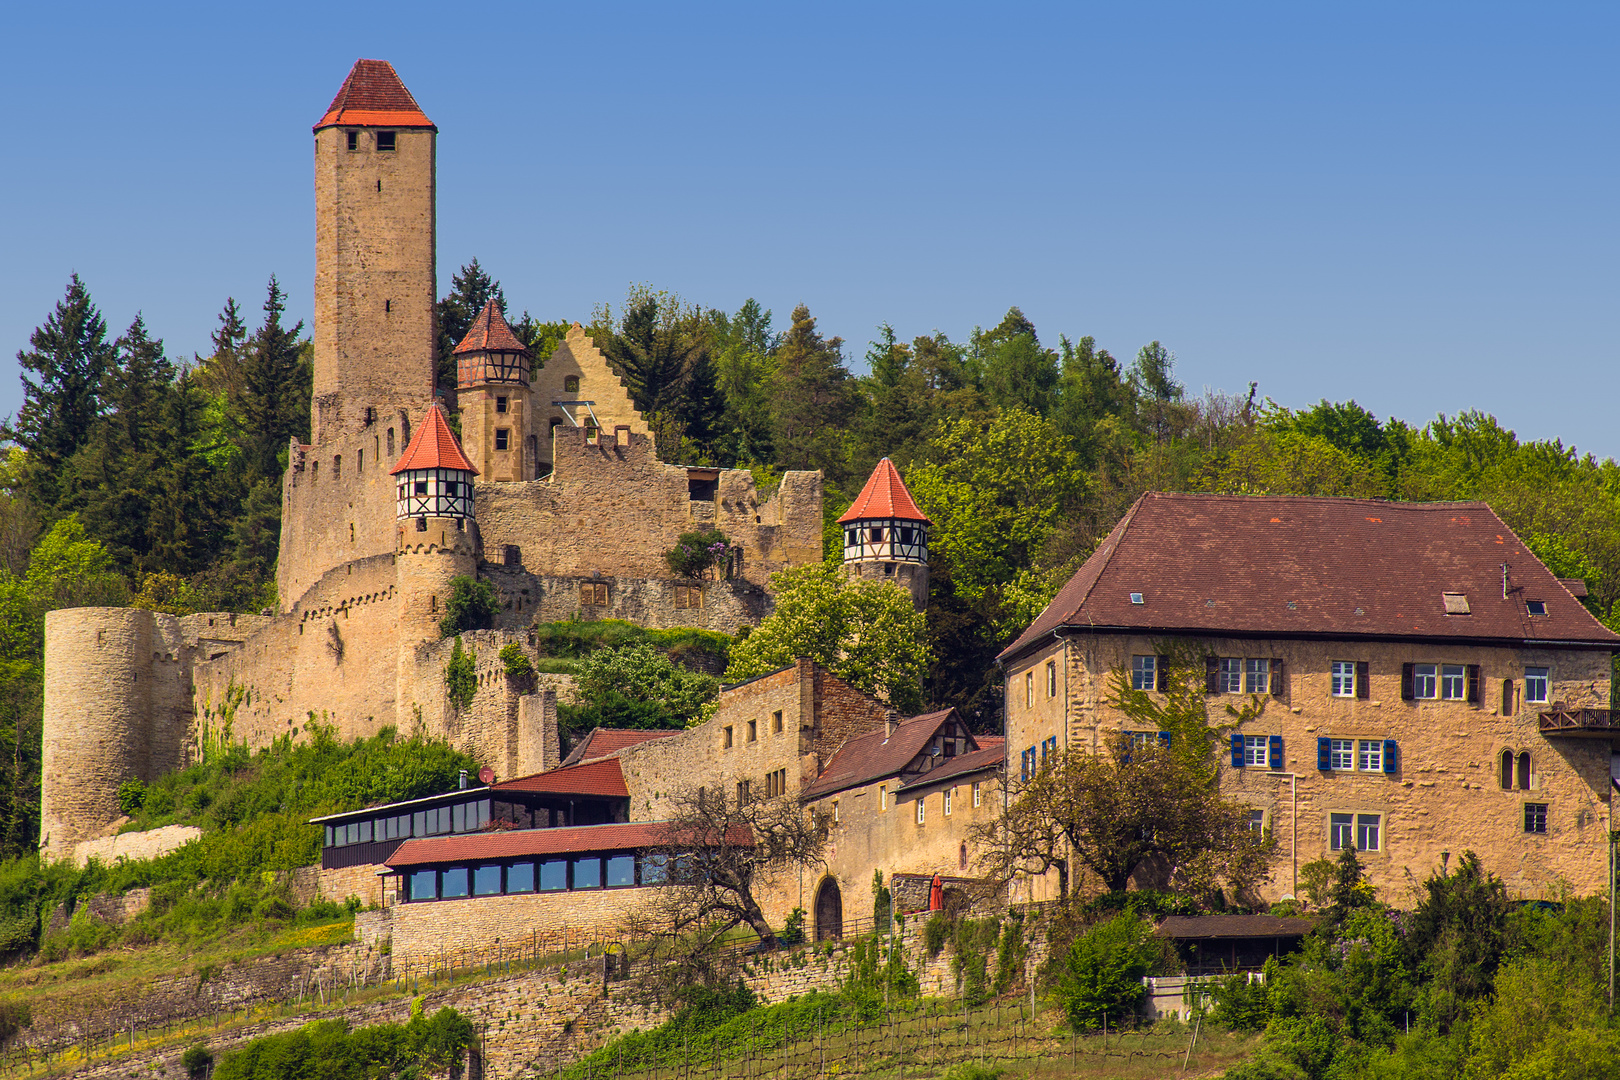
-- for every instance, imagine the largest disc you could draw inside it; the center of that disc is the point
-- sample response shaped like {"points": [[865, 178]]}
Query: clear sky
{"points": [[1408, 204]]}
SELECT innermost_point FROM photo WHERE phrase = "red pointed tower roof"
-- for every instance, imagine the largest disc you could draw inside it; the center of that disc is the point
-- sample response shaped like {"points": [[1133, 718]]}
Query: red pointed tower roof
{"points": [[373, 96], [434, 446], [490, 333], [884, 496]]}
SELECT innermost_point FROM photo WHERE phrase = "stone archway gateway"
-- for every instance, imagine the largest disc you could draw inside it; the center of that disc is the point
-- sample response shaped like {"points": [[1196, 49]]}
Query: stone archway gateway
{"points": [[829, 911]]}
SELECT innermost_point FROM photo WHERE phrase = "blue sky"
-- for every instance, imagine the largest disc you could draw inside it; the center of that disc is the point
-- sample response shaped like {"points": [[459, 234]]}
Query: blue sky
{"points": [[1411, 205]]}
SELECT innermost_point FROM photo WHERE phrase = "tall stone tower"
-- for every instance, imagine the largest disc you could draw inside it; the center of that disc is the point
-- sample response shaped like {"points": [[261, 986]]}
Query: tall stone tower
{"points": [[492, 379], [374, 254], [886, 536]]}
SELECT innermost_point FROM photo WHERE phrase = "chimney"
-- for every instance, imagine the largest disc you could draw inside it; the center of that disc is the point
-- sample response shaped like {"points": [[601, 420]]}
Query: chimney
{"points": [[461, 782], [888, 727]]}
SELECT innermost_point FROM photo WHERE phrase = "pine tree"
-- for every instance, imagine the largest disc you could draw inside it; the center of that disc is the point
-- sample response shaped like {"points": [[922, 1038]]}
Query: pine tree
{"points": [[68, 357], [470, 289], [813, 399], [222, 368], [270, 401]]}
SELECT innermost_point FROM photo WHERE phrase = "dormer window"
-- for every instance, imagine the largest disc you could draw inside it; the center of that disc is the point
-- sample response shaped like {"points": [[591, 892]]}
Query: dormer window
{"points": [[354, 140], [1536, 607], [385, 140], [1456, 603]]}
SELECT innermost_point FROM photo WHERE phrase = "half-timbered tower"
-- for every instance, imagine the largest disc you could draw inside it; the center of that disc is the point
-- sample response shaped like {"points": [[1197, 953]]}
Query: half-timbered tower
{"points": [[886, 536], [433, 478], [492, 376]]}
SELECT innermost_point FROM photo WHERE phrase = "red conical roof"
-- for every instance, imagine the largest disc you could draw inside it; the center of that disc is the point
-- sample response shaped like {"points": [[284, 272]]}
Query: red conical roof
{"points": [[490, 333], [434, 446], [373, 96], [884, 496]]}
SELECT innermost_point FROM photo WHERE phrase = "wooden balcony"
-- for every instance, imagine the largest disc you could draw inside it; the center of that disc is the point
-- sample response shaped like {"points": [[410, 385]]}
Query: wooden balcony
{"points": [[1580, 723]]}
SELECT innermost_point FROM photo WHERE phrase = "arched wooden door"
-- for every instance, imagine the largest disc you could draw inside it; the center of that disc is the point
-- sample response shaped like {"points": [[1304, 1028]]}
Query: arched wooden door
{"points": [[829, 911]]}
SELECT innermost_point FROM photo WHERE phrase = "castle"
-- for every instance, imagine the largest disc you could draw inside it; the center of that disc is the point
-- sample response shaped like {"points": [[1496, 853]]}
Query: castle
{"points": [[554, 495]]}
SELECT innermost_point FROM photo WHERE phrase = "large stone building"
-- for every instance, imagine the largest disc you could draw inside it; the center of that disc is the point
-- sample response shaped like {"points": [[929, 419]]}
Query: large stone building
{"points": [[559, 500], [1428, 686]]}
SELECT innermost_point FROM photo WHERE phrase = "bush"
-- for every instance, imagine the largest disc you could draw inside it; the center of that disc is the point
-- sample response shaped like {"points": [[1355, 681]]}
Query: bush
{"points": [[1242, 1004], [696, 553], [198, 1061], [131, 796], [792, 930], [461, 675], [1101, 978], [330, 1050], [471, 606], [518, 664]]}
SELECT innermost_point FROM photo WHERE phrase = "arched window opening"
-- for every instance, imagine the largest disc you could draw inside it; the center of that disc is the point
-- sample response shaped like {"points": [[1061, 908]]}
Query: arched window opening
{"points": [[961, 856], [1524, 771], [1507, 770]]}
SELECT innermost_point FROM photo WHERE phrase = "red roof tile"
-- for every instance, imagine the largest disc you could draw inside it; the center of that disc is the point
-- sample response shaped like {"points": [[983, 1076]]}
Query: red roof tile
{"points": [[877, 754], [374, 96], [568, 840], [991, 754], [1314, 567], [604, 742], [490, 333], [603, 778], [884, 496], [434, 446]]}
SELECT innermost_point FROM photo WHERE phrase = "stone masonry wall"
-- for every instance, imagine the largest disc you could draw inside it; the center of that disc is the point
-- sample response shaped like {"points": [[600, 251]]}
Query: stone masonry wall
{"points": [[526, 598], [1445, 798]]}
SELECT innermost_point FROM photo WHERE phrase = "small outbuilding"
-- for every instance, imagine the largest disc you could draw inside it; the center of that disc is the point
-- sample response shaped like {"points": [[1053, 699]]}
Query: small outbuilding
{"points": [[1212, 944]]}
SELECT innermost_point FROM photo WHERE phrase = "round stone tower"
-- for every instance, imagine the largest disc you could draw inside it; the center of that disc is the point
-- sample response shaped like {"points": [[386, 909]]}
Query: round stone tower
{"points": [[437, 535], [492, 385], [886, 536]]}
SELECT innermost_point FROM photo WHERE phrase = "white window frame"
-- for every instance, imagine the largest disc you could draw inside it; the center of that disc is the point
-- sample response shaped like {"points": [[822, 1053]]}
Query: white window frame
{"points": [[1364, 823], [1342, 755], [1256, 675], [975, 796], [1370, 755], [1453, 682], [1051, 678], [1257, 751], [948, 792], [1144, 672], [1257, 822], [1537, 685], [1029, 689], [1343, 678], [883, 797], [1336, 838], [1229, 675], [1425, 682], [921, 812]]}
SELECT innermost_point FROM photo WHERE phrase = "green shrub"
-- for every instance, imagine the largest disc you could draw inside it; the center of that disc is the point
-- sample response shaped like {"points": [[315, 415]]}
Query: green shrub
{"points": [[1241, 1004], [131, 795], [793, 929], [470, 606], [936, 931], [330, 1050], [1101, 978], [461, 675], [198, 1062], [518, 664], [696, 553]]}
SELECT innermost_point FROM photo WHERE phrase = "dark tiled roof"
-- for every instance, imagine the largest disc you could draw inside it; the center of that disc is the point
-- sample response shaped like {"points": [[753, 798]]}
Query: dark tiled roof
{"points": [[877, 754], [490, 333], [1204, 927], [604, 742], [1287, 566], [569, 840], [601, 778], [884, 496], [434, 446], [990, 755], [374, 96]]}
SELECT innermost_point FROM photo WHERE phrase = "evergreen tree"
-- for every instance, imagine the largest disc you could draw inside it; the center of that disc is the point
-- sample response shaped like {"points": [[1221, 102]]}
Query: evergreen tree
{"points": [[470, 289], [270, 400], [68, 356], [743, 344], [222, 368], [1017, 372], [813, 399], [1090, 389]]}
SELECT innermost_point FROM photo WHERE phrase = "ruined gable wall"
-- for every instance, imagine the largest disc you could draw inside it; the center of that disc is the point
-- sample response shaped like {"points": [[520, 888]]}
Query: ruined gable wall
{"points": [[611, 507], [578, 357], [1446, 796], [337, 503], [842, 712]]}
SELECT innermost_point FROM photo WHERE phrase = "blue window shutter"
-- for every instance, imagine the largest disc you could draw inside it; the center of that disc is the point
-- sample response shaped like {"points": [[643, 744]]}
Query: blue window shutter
{"points": [[1324, 755], [1237, 752], [1392, 757], [1164, 737], [1274, 752]]}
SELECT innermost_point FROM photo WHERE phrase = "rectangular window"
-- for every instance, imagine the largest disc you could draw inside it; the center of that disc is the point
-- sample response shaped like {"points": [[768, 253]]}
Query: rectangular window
{"points": [[654, 869], [621, 871], [1370, 755], [1341, 831], [1453, 686], [1229, 675], [742, 793], [422, 884], [385, 140], [554, 875], [1367, 832], [688, 596], [1144, 671], [588, 873], [502, 437], [1029, 689], [948, 792], [883, 797], [753, 731], [1535, 817], [1535, 685], [1051, 678], [419, 823], [421, 487], [593, 593], [520, 877], [1425, 680], [920, 805], [453, 882], [1256, 675], [458, 817], [776, 722], [1255, 750], [1344, 678], [975, 795], [1257, 821], [725, 737], [500, 404], [354, 139], [1342, 755], [487, 880]]}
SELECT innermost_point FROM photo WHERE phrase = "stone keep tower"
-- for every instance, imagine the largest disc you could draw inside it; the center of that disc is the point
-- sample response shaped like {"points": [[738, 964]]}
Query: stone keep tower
{"points": [[374, 253], [492, 379], [886, 536], [437, 534]]}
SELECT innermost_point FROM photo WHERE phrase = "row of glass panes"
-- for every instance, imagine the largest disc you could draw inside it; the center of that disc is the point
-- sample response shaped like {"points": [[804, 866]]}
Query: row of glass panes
{"points": [[1356, 755], [1242, 675], [876, 534], [527, 876], [1361, 831], [436, 821]]}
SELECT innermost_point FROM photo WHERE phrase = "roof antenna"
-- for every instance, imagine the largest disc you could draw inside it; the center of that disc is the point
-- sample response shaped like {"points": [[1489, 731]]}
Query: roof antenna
{"points": [[1504, 581]]}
